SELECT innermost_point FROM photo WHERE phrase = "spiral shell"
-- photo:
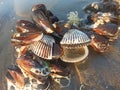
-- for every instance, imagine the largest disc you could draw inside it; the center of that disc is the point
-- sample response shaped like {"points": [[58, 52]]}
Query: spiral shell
{"points": [[43, 48], [75, 37]]}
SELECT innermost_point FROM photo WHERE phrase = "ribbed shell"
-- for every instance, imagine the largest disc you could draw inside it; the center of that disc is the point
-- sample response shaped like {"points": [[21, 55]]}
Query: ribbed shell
{"points": [[75, 37], [43, 48]]}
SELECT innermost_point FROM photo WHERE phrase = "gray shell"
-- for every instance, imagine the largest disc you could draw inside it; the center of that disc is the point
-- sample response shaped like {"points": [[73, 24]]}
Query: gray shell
{"points": [[43, 48], [75, 37]]}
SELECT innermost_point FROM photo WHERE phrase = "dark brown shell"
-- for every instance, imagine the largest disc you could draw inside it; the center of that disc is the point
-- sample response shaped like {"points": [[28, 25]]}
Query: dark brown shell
{"points": [[25, 38], [39, 7], [15, 76], [99, 43], [108, 29], [34, 68], [24, 26]]}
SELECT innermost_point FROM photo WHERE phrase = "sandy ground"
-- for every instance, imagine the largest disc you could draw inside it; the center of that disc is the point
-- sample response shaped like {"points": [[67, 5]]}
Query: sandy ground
{"points": [[99, 72]]}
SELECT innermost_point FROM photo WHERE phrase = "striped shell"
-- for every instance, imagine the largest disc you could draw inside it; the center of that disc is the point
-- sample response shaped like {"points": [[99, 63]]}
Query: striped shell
{"points": [[43, 48], [75, 37]]}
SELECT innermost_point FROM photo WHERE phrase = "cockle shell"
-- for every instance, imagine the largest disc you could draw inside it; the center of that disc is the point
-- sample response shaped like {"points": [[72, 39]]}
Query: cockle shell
{"points": [[43, 48], [25, 38], [75, 37], [74, 45], [15, 78]]}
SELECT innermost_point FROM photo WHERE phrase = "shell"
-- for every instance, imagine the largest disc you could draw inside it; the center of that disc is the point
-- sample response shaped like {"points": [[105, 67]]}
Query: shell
{"points": [[74, 45], [39, 7], [109, 30], [25, 38], [99, 43], [34, 68], [75, 37], [13, 73], [102, 18], [43, 48], [42, 21], [24, 26]]}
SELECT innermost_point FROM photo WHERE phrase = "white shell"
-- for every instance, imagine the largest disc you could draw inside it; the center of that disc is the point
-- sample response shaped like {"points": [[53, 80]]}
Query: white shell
{"points": [[75, 37], [43, 48]]}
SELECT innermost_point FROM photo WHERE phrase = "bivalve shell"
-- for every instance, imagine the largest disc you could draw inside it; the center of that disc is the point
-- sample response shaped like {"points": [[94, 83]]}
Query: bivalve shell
{"points": [[43, 48], [75, 37], [74, 45]]}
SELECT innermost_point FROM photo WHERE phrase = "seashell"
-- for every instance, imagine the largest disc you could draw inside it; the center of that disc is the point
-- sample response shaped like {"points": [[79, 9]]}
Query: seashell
{"points": [[75, 37], [109, 30], [44, 47], [74, 45], [15, 78], [34, 68], [39, 7], [104, 17], [25, 38], [24, 26], [99, 43], [93, 7], [21, 50], [42, 21]]}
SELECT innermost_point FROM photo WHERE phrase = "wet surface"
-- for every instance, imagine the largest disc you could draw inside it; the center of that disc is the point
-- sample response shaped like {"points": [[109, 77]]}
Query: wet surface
{"points": [[99, 72]]}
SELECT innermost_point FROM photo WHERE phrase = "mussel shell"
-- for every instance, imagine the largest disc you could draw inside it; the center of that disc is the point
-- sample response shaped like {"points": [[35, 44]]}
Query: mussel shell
{"points": [[108, 29], [35, 68], [15, 76], [39, 7], [99, 43], [74, 38], [93, 7], [44, 47], [42, 21], [24, 26], [25, 38]]}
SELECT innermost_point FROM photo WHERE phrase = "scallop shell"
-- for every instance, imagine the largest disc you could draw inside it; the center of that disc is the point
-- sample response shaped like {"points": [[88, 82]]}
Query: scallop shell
{"points": [[75, 37], [43, 48]]}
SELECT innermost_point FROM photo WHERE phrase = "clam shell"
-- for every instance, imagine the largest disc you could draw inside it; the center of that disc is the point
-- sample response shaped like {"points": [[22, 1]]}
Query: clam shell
{"points": [[74, 38], [43, 48]]}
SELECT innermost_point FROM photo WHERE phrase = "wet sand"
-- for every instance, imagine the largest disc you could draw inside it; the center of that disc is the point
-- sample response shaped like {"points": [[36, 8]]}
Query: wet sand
{"points": [[99, 72]]}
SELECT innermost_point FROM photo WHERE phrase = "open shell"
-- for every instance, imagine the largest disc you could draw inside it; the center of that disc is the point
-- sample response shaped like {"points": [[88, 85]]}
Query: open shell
{"points": [[74, 38], [43, 48], [74, 45]]}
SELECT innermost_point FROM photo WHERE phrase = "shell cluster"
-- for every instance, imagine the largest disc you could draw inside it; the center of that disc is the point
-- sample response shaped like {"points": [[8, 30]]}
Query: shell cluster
{"points": [[44, 47]]}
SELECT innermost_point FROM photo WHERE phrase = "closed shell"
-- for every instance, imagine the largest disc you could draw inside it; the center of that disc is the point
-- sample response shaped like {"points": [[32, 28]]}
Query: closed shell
{"points": [[43, 48]]}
